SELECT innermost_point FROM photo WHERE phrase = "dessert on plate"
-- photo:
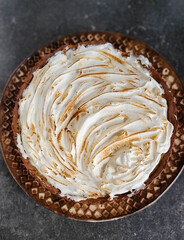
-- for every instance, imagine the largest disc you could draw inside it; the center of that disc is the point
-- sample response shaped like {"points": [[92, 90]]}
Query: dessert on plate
{"points": [[93, 122]]}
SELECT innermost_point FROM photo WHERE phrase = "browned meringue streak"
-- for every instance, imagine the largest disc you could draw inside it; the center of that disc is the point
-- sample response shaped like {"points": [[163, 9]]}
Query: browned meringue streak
{"points": [[148, 98], [131, 72], [121, 141], [100, 125]]}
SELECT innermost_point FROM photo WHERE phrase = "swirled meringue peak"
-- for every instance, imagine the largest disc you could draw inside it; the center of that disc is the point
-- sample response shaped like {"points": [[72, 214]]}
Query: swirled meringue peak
{"points": [[93, 122]]}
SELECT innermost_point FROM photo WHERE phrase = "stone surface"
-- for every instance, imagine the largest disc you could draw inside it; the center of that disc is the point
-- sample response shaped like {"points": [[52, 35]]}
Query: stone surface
{"points": [[27, 25]]}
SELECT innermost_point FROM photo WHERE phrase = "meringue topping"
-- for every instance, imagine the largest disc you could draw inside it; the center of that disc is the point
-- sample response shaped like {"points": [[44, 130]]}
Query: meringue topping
{"points": [[93, 122]]}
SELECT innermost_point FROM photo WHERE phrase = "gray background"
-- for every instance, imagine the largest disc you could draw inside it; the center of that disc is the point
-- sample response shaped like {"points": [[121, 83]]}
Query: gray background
{"points": [[26, 25]]}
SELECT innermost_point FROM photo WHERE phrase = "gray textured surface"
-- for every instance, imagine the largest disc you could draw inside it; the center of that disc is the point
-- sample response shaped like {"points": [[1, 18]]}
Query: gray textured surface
{"points": [[27, 25]]}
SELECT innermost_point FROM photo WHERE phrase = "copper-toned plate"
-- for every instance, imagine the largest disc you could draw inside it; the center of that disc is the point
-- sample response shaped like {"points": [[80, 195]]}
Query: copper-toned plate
{"points": [[93, 210]]}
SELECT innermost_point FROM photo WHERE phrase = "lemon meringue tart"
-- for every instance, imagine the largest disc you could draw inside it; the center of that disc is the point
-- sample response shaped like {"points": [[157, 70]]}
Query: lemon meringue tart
{"points": [[91, 122]]}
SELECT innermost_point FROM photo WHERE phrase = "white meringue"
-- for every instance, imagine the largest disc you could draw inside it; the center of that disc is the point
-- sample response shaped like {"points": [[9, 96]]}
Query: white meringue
{"points": [[94, 122]]}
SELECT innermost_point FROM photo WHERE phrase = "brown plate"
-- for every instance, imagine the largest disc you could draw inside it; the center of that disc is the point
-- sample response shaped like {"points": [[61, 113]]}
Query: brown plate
{"points": [[93, 210]]}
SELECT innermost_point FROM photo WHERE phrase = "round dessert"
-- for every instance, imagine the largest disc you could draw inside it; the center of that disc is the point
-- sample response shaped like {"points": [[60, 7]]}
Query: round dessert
{"points": [[92, 122]]}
